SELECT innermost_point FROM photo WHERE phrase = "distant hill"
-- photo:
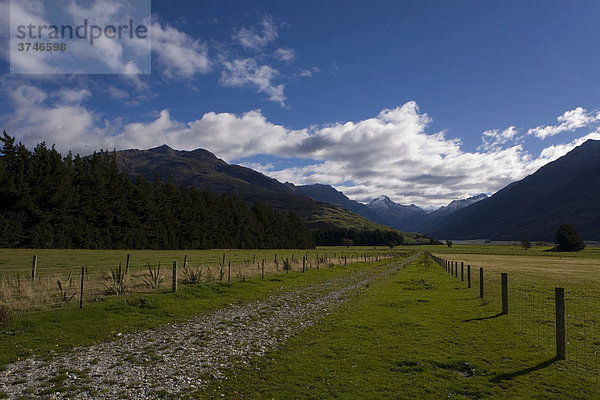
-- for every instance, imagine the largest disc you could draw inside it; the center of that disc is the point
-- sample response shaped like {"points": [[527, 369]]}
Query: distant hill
{"points": [[330, 195], [565, 190], [203, 170]]}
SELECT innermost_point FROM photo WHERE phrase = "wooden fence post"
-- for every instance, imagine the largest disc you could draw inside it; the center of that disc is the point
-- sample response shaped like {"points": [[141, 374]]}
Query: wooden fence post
{"points": [[561, 331], [174, 279], [344, 261], [451, 267], [81, 290], [481, 282], [229, 273], [223, 259], [462, 271], [127, 264], [469, 275], [304, 264], [185, 264], [34, 268], [263, 269], [504, 277]]}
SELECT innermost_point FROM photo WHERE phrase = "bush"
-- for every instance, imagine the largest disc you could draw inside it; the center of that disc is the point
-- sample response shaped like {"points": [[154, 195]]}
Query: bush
{"points": [[449, 243], [568, 239], [525, 243]]}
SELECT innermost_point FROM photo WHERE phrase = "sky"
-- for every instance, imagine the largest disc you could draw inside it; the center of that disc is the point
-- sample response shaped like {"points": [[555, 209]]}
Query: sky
{"points": [[423, 101]]}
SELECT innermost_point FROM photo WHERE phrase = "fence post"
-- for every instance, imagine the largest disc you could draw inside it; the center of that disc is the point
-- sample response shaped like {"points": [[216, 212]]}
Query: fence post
{"points": [[229, 273], [174, 282], [127, 264], [561, 332], [451, 267], [185, 261], [304, 264], [481, 282], [469, 275], [81, 291], [253, 259], [263, 269], [462, 271], [344, 261], [504, 277], [456, 269], [223, 259], [34, 268]]}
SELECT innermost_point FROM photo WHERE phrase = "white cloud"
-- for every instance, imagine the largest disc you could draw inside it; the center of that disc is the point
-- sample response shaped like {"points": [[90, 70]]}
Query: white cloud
{"points": [[179, 55], [247, 73], [569, 121], [116, 93], [285, 54], [390, 153], [256, 39], [74, 95], [494, 139]]}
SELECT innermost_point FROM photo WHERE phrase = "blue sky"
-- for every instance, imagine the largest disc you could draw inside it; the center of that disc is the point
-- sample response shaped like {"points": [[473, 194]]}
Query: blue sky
{"points": [[425, 101]]}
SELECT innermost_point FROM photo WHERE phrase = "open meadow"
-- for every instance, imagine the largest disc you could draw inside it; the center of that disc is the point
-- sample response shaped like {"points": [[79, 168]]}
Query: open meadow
{"points": [[417, 332]]}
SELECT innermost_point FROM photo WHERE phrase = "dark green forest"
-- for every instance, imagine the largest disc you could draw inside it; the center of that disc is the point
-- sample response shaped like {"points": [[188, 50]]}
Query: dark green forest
{"points": [[51, 201], [356, 237]]}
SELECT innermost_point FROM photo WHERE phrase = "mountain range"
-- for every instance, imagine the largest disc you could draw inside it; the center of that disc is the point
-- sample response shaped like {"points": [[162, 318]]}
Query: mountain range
{"points": [[203, 170], [566, 190]]}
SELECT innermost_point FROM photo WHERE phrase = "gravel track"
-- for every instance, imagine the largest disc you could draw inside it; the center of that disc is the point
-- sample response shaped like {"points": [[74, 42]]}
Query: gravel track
{"points": [[175, 359]]}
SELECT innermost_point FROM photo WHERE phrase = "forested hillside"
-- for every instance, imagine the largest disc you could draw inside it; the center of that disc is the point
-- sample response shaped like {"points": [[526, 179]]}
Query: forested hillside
{"points": [[51, 201]]}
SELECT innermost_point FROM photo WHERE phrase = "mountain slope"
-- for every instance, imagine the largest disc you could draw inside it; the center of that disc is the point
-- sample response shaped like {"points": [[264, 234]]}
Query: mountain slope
{"points": [[330, 195], [436, 217], [405, 218], [565, 190], [203, 170]]}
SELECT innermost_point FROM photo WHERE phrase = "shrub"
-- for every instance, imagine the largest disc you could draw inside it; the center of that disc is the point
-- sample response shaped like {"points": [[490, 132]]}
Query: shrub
{"points": [[568, 239], [449, 243], [525, 243]]}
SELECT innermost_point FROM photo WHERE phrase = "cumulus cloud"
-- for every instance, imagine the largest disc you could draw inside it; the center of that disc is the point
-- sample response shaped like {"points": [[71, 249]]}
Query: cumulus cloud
{"points": [[248, 73], [179, 55], [390, 153], [569, 121], [494, 139], [257, 38]]}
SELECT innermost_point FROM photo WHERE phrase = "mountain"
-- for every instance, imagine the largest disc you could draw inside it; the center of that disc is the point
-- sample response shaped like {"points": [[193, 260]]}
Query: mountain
{"points": [[565, 190], [330, 195], [203, 170], [396, 215], [436, 217], [456, 205]]}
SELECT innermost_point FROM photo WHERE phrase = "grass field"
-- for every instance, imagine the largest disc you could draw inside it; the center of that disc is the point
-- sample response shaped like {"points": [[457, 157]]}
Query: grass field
{"points": [[420, 334], [46, 332], [21, 293]]}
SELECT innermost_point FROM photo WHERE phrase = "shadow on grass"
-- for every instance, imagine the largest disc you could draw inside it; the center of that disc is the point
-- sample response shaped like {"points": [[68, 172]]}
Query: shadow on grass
{"points": [[483, 318], [511, 375]]}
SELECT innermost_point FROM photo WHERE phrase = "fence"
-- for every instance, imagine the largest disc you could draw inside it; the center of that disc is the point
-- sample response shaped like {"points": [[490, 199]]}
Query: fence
{"points": [[558, 322], [36, 287]]}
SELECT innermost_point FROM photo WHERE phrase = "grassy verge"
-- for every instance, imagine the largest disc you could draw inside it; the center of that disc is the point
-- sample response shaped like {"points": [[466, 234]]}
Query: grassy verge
{"points": [[46, 332], [417, 334]]}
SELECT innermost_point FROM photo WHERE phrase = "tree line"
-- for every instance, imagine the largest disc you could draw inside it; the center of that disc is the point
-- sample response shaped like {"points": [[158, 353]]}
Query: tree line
{"points": [[51, 201], [358, 237]]}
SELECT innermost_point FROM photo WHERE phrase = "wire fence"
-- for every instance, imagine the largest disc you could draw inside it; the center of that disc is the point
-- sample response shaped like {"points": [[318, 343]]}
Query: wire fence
{"points": [[33, 287], [533, 312]]}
